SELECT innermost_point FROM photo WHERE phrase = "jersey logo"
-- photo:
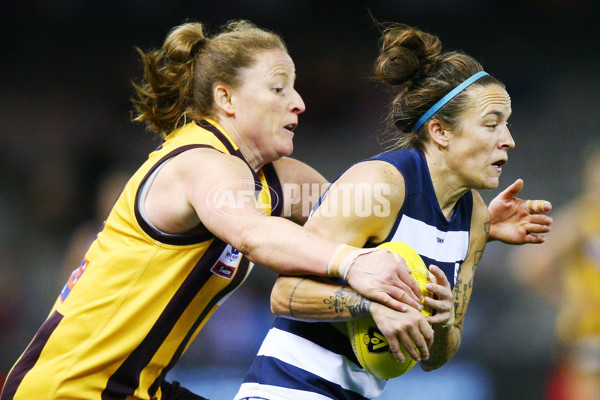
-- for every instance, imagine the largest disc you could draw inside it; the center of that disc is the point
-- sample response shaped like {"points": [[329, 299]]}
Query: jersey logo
{"points": [[73, 279], [227, 263], [223, 270]]}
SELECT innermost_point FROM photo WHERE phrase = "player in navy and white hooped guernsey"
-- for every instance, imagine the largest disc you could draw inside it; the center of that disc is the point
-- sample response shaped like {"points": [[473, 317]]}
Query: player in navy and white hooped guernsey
{"points": [[314, 360]]}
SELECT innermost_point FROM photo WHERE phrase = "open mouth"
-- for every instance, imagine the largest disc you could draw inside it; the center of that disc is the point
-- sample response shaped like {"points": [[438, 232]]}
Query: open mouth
{"points": [[291, 127], [498, 164]]}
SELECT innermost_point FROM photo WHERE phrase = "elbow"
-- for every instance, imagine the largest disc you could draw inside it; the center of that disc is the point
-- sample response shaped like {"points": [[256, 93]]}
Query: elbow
{"points": [[279, 306], [247, 243], [432, 365], [429, 367]]}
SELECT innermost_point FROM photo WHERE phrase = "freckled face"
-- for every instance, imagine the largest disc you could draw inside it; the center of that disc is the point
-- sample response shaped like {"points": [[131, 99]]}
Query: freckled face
{"points": [[478, 147], [267, 105]]}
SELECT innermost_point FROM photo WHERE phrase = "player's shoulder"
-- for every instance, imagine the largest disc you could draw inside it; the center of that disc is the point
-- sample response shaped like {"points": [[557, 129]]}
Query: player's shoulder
{"points": [[375, 169], [399, 158], [208, 163]]}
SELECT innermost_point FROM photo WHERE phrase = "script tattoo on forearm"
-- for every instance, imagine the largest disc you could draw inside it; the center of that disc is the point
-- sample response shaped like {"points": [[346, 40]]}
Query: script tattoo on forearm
{"points": [[463, 290], [346, 298], [446, 344]]}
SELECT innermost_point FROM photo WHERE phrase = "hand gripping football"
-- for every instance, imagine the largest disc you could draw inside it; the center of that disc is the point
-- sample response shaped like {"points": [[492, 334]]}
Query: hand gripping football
{"points": [[370, 346]]}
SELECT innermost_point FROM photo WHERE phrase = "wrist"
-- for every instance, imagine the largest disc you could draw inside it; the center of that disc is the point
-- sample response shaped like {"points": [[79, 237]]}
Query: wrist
{"points": [[448, 325], [333, 267], [491, 236], [343, 259]]}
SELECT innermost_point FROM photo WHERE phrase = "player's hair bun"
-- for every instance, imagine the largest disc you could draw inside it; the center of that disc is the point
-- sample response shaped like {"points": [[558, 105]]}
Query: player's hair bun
{"points": [[406, 53], [183, 42]]}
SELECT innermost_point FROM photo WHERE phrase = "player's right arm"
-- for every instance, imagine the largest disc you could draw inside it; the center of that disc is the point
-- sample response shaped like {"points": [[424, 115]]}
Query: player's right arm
{"points": [[182, 198], [448, 322]]}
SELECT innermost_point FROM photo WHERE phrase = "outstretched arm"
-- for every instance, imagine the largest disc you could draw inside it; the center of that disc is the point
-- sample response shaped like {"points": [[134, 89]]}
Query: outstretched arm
{"points": [[518, 221], [205, 188]]}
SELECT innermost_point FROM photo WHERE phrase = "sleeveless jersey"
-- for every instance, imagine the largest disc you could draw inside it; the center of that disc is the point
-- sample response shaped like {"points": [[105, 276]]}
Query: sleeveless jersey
{"points": [[139, 297], [314, 360]]}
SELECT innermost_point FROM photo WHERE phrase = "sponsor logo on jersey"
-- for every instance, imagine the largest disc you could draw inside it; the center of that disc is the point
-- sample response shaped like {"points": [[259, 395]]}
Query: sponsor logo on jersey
{"points": [[223, 270], [73, 279], [227, 263], [232, 254]]}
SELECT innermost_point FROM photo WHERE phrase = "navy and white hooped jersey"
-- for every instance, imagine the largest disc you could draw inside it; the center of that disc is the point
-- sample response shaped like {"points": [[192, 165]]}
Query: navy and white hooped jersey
{"points": [[314, 360]]}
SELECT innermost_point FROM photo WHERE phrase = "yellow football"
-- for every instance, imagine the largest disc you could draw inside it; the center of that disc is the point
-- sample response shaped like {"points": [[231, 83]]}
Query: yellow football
{"points": [[370, 346]]}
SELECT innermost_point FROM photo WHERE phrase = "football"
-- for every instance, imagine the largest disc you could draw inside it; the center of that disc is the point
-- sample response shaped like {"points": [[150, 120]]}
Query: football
{"points": [[370, 346]]}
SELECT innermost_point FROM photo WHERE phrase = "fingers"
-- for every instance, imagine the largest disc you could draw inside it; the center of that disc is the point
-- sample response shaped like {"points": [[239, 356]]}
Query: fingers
{"points": [[395, 349], [532, 228], [513, 190], [541, 219], [537, 226], [538, 206], [416, 347], [534, 239], [442, 302], [440, 276], [413, 340], [398, 299], [406, 332], [407, 280]]}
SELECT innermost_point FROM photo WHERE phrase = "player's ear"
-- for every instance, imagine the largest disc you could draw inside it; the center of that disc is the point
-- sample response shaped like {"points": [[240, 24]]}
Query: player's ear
{"points": [[224, 98], [437, 133]]}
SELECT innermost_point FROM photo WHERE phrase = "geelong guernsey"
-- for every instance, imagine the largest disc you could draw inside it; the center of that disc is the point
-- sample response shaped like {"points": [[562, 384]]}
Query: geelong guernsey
{"points": [[139, 297], [314, 361]]}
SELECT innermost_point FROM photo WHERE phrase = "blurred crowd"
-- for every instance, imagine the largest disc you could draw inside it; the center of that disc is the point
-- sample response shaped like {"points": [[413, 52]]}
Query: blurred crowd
{"points": [[67, 144]]}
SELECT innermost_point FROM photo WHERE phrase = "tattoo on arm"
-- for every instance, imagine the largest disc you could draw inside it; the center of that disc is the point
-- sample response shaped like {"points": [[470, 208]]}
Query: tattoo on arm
{"points": [[463, 290], [486, 229], [445, 346], [346, 298], [291, 308], [343, 299]]}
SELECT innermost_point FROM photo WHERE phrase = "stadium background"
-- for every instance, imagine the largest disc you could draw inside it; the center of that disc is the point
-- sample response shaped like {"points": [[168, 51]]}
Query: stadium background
{"points": [[65, 72]]}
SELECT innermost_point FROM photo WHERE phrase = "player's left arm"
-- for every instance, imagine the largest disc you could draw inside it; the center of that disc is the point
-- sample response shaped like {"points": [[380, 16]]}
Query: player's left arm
{"points": [[316, 299], [518, 221], [447, 334]]}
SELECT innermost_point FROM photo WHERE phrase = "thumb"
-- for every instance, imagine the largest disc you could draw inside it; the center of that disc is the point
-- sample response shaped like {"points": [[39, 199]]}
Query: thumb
{"points": [[513, 190]]}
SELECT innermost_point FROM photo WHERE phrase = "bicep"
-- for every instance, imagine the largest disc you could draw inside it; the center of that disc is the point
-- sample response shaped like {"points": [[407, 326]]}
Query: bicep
{"points": [[361, 206], [221, 191]]}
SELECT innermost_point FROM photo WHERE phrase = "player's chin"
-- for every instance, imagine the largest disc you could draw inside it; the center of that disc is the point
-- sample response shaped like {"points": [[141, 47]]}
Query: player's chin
{"points": [[285, 149], [490, 182]]}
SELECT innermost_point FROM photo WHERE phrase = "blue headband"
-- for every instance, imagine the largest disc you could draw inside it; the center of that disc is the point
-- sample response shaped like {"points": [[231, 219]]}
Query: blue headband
{"points": [[452, 94]]}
